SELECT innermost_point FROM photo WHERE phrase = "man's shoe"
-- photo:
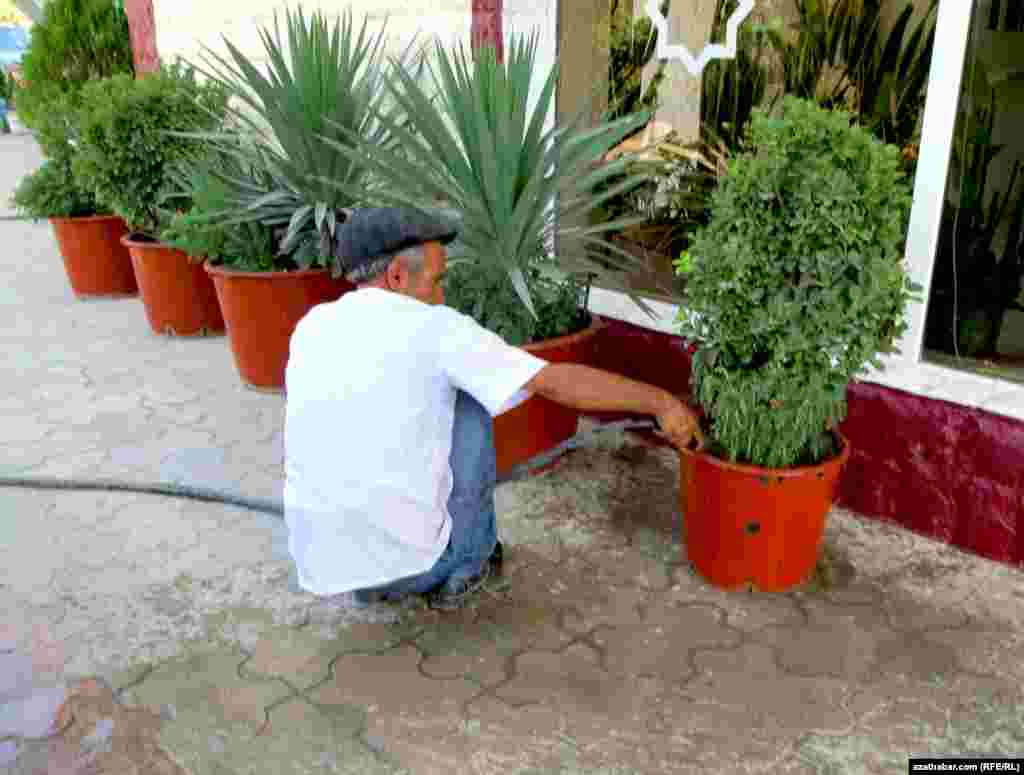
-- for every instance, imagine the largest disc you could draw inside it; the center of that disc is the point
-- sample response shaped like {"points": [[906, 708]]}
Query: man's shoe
{"points": [[496, 558], [454, 593]]}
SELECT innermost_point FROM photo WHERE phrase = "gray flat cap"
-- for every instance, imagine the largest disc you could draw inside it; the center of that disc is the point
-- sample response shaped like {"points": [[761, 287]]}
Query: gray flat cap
{"points": [[374, 232]]}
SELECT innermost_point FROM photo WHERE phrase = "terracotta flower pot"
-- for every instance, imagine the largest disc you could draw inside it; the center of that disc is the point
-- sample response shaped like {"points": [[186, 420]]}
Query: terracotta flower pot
{"points": [[178, 295], [538, 424], [96, 262], [750, 526], [261, 310]]}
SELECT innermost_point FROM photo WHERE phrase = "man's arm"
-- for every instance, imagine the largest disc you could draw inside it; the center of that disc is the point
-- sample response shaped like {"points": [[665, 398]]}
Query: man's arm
{"points": [[584, 388]]}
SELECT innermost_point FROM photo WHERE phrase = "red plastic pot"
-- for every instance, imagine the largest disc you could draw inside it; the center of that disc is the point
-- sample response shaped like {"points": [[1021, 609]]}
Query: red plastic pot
{"points": [[96, 262], [178, 295], [752, 527], [261, 310], [539, 424]]}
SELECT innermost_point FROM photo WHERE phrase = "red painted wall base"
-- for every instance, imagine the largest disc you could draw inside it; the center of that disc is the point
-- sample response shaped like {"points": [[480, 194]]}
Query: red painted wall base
{"points": [[942, 470]]}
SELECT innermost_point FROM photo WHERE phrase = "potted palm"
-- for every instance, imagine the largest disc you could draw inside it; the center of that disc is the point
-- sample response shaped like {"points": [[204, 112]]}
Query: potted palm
{"points": [[260, 314], [76, 41], [793, 288], [473, 148], [272, 164], [124, 154]]}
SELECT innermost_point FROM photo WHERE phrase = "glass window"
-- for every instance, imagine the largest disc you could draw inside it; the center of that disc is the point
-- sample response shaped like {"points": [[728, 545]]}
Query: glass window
{"points": [[975, 316], [873, 61]]}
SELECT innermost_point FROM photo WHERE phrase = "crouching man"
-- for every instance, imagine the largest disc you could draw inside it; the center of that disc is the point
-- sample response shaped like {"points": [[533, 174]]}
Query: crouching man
{"points": [[390, 459]]}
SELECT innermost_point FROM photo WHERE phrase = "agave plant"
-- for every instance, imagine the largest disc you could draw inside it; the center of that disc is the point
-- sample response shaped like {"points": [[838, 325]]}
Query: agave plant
{"points": [[206, 183], [514, 186], [329, 86]]}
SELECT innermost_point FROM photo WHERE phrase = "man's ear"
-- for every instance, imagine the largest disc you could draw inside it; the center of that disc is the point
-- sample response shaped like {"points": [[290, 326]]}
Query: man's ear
{"points": [[395, 274]]}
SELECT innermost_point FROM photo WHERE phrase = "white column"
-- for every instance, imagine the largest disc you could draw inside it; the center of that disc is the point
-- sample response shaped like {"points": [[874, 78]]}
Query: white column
{"points": [[940, 112], [33, 9]]}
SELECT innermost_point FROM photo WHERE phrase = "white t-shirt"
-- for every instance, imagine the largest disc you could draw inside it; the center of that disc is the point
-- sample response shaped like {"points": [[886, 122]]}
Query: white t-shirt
{"points": [[371, 387]]}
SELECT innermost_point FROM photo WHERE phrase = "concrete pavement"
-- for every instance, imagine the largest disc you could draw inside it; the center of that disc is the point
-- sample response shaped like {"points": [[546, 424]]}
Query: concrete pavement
{"points": [[149, 635]]}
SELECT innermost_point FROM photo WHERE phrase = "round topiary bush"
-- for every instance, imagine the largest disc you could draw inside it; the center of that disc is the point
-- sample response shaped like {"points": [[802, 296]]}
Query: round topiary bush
{"points": [[126, 147], [46, 193], [796, 284]]}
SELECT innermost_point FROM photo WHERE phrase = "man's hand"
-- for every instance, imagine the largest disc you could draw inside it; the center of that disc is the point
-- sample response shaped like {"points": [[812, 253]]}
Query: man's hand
{"points": [[680, 425]]}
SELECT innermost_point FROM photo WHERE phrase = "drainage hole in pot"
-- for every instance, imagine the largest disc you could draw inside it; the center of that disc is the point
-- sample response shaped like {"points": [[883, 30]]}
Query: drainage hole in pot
{"points": [[753, 528], [821, 474]]}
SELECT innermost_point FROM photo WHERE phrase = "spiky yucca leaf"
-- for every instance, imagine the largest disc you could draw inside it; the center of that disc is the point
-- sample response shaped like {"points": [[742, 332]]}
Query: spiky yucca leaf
{"points": [[326, 82], [477, 148]]}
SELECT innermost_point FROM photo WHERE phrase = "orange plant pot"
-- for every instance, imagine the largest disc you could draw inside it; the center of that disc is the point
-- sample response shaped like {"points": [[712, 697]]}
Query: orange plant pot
{"points": [[96, 262], [748, 526], [538, 424], [178, 295], [261, 310]]}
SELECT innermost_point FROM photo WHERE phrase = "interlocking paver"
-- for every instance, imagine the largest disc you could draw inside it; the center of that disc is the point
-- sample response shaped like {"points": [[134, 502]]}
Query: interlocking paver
{"points": [[749, 677], [391, 683], [628, 566], [839, 648], [662, 644], [206, 683], [124, 740]]}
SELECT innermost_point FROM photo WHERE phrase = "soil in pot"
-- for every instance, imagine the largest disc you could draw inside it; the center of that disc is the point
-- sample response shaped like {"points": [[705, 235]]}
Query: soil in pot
{"points": [[261, 310], [178, 295], [539, 424], [96, 262], [751, 527]]}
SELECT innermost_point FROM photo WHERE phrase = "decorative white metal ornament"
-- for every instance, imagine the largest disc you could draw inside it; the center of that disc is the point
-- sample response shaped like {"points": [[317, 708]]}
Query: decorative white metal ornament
{"points": [[710, 52]]}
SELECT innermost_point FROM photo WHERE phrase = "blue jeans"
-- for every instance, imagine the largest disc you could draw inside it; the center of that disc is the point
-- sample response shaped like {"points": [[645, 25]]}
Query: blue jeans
{"points": [[471, 505]]}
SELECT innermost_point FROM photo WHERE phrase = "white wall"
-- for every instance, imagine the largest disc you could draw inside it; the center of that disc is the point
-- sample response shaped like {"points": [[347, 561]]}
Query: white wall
{"points": [[184, 27]]}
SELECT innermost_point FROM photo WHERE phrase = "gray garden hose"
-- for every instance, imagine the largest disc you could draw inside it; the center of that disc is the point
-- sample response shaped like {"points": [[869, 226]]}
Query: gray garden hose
{"points": [[275, 507]]}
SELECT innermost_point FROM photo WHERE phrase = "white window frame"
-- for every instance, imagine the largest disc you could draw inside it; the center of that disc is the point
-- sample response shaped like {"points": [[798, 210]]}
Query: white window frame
{"points": [[906, 370]]}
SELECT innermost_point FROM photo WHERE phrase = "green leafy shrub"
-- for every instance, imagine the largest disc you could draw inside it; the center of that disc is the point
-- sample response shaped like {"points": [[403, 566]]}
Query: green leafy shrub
{"points": [[125, 146], [75, 42], [7, 87], [47, 193], [732, 88], [632, 43], [208, 184], [493, 303], [796, 284]]}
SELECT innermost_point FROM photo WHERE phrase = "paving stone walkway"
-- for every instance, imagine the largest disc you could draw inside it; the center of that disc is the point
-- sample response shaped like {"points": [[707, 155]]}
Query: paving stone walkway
{"points": [[148, 635]]}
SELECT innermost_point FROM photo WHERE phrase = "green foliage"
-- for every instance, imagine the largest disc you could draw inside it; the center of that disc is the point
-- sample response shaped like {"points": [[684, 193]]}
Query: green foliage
{"points": [[888, 78], [7, 87], [203, 187], [880, 79], [493, 303], [49, 193], [323, 85], [76, 41], [473, 146], [732, 88], [125, 150], [632, 43], [796, 284], [677, 199]]}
